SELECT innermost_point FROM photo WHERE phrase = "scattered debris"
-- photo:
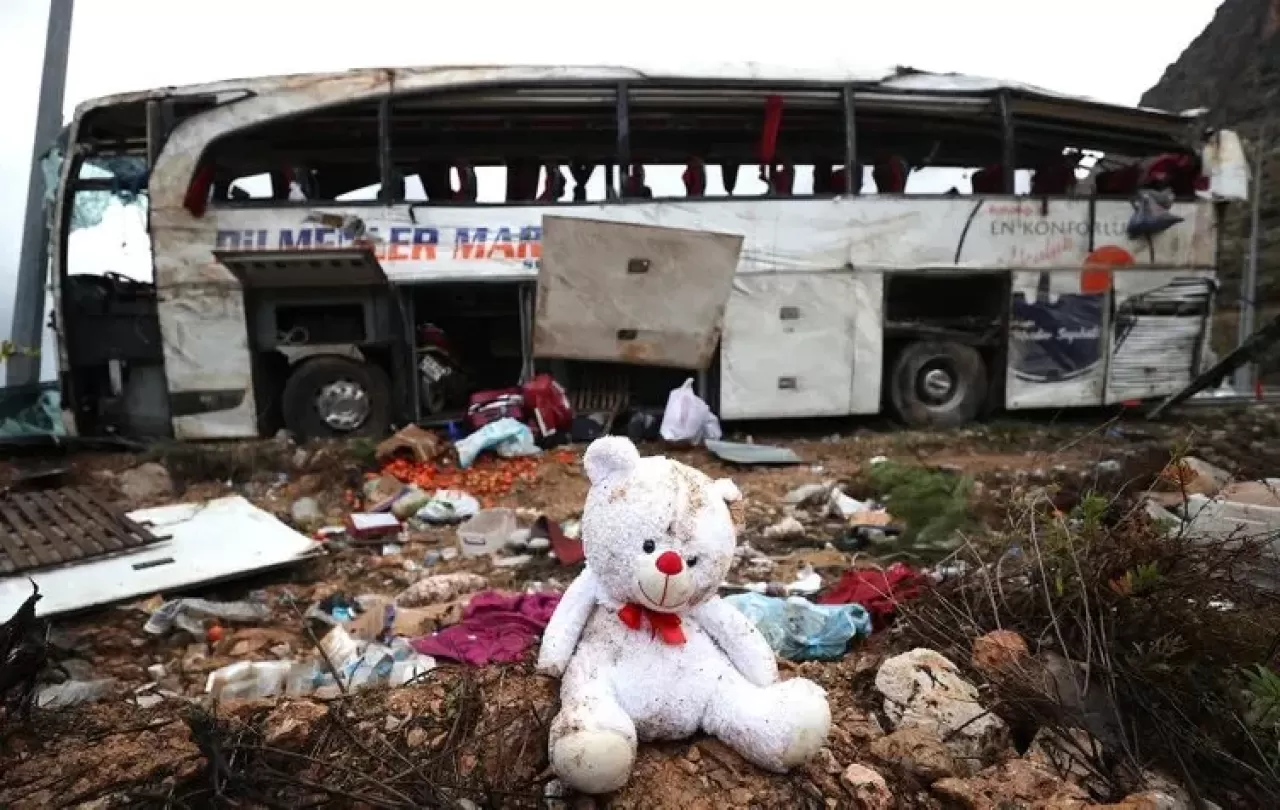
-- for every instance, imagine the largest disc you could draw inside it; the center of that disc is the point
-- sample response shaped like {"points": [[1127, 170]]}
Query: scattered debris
{"points": [[799, 630], [122, 711], [494, 628], [422, 444], [753, 454]]}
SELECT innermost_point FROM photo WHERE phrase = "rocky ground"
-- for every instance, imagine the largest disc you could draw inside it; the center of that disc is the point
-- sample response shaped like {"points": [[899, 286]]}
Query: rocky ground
{"points": [[476, 737]]}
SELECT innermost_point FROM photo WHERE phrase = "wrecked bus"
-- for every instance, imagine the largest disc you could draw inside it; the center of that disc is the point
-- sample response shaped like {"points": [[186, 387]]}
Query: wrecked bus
{"points": [[337, 253]]}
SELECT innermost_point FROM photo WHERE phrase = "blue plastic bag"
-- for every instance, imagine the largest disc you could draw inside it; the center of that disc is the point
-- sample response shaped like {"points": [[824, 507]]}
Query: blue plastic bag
{"points": [[508, 437], [799, 630]]}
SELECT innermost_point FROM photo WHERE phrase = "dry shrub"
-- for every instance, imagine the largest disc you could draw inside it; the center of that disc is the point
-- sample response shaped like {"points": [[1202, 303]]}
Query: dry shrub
{"points": [[461, 734], [1141, 638]]}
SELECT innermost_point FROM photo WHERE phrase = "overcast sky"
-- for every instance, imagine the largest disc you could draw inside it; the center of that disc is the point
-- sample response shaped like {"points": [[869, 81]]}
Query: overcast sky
{"points": [[1112, 50]]}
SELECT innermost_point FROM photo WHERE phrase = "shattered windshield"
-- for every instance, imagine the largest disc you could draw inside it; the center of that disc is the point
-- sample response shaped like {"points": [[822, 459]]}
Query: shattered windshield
{"points": [[128, 176]]}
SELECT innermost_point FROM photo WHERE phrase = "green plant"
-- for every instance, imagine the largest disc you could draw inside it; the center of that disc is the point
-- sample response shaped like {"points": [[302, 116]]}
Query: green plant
{"points": [[933, 505], [1264, 699]]}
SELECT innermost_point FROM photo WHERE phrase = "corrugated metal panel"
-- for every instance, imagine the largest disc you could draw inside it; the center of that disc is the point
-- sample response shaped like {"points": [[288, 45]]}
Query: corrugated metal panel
{"points": [[1158, 326], [1155, 358]]}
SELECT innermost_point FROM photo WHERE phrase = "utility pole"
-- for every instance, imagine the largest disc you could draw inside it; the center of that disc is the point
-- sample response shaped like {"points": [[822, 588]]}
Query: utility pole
{"points": [[33, 263], [1268, 74], [1249, 283]]}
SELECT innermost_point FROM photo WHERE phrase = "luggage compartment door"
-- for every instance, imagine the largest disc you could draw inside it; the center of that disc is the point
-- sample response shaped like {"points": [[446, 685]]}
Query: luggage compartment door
{"points": [[638, 294], [789, 346]]}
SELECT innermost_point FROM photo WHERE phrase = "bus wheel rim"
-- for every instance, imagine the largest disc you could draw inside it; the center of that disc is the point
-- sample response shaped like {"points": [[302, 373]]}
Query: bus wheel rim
{"points": [[343, 405]]}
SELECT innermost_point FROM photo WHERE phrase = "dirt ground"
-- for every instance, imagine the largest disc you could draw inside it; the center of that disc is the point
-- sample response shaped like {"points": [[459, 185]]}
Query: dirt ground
{"points": [[116, 753]]}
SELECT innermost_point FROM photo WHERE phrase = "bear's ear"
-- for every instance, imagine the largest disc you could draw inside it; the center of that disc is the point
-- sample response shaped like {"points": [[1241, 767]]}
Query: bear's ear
{"points": [[726, 489], [609, 456]]}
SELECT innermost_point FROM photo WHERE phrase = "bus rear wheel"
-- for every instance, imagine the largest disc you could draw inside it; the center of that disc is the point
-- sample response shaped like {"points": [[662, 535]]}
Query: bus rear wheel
{"points": [[336, 396], [937, 384]]}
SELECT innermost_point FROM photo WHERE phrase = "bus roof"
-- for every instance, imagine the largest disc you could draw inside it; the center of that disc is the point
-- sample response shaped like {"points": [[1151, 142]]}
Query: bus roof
{"points": [[899, 80]]}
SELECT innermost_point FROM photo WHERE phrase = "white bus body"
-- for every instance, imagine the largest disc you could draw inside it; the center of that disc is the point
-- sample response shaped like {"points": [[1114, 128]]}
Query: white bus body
{"points": [[805, 326]]}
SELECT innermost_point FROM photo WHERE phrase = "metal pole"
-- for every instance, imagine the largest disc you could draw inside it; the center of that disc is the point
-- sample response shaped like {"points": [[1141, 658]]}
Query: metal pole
{"points": [[33, 264], [1249, 283]]}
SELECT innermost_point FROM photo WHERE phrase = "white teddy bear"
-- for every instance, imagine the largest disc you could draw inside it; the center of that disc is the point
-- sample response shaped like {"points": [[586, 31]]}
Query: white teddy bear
{"points": [[646, 647]]}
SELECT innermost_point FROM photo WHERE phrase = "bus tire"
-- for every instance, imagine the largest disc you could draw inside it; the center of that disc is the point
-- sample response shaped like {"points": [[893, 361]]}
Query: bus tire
{"points": [[333, 396], [937, 384]]}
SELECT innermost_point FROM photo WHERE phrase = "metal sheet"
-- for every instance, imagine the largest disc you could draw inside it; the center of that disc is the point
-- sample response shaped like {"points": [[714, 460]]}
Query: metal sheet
{"points": [[789, 346], [47, 528], [751, 454], [262, 269], [638, 294], [1056, 346], [199, 543], [1156, 333]]}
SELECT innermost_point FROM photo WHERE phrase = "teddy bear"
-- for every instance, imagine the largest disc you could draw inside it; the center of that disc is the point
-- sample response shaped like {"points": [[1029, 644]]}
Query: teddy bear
{"points": [[645, 647]]}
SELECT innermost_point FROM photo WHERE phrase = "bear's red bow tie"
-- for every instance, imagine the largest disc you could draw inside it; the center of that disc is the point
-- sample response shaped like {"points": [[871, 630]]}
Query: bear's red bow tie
{"points": [[663, 625]]}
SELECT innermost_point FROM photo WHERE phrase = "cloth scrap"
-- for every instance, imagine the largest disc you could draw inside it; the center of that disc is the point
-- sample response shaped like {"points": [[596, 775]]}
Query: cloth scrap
{"points": [[495, 627], [877, 590]]}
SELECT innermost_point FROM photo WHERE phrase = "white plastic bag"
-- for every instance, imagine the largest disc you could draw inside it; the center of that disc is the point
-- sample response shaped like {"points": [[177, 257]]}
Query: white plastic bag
{"points": [[687, 419]]}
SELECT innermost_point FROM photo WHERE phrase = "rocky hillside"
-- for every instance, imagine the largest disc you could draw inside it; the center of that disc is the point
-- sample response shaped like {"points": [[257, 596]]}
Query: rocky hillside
{"points": [[1233, 68]]}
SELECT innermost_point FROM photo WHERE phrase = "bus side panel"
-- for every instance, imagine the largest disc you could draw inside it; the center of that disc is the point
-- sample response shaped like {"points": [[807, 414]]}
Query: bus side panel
{"points": [[1157, 329], [207, 361], [1056, 355], [789, 346], [868, 346]]}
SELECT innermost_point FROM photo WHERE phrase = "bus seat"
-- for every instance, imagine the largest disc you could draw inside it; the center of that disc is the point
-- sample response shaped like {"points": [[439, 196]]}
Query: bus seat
{"points": [[823, 178], [436, 181], [522, 180], [1054, 177], [633, 186], [890, 174], [989, 180], [280, 180], [196, 200], [729, 176], [1118, 182], [781, 179], [581, 172], [695, 178], [553, 187], [467, 185], [840, 181], [1177, 172]]}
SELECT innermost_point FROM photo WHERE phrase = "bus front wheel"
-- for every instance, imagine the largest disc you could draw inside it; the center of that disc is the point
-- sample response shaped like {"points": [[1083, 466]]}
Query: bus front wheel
{"points": [[937, 384], [336, 396]]}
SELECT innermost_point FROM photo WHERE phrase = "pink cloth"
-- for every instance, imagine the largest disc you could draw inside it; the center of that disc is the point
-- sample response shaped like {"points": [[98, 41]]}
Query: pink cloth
{"points": [[495, 627]]}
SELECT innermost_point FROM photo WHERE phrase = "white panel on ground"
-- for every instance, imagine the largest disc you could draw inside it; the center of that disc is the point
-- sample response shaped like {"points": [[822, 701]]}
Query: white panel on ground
{"points": [[204, 542]]}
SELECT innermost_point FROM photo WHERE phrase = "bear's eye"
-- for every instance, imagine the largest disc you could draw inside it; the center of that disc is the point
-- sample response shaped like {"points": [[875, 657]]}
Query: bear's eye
{"points": [[649, 546], [692, 561]]}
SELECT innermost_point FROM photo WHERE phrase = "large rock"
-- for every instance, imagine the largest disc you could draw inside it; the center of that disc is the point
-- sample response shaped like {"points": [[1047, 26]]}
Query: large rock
{"points": [[291, 724], [1000, 652], [1194, 476], [146, 482], [1069, 754], [1149, 800], [868, 787], [916, 752], [1016, 783], [923, 690]]}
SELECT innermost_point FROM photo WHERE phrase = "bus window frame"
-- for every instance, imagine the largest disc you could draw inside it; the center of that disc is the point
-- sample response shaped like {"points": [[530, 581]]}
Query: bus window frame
{"points": [[1005, 104]]}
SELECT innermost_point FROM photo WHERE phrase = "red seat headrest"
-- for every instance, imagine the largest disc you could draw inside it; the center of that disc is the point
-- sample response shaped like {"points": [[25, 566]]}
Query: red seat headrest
{"points": [[695, 178]]}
